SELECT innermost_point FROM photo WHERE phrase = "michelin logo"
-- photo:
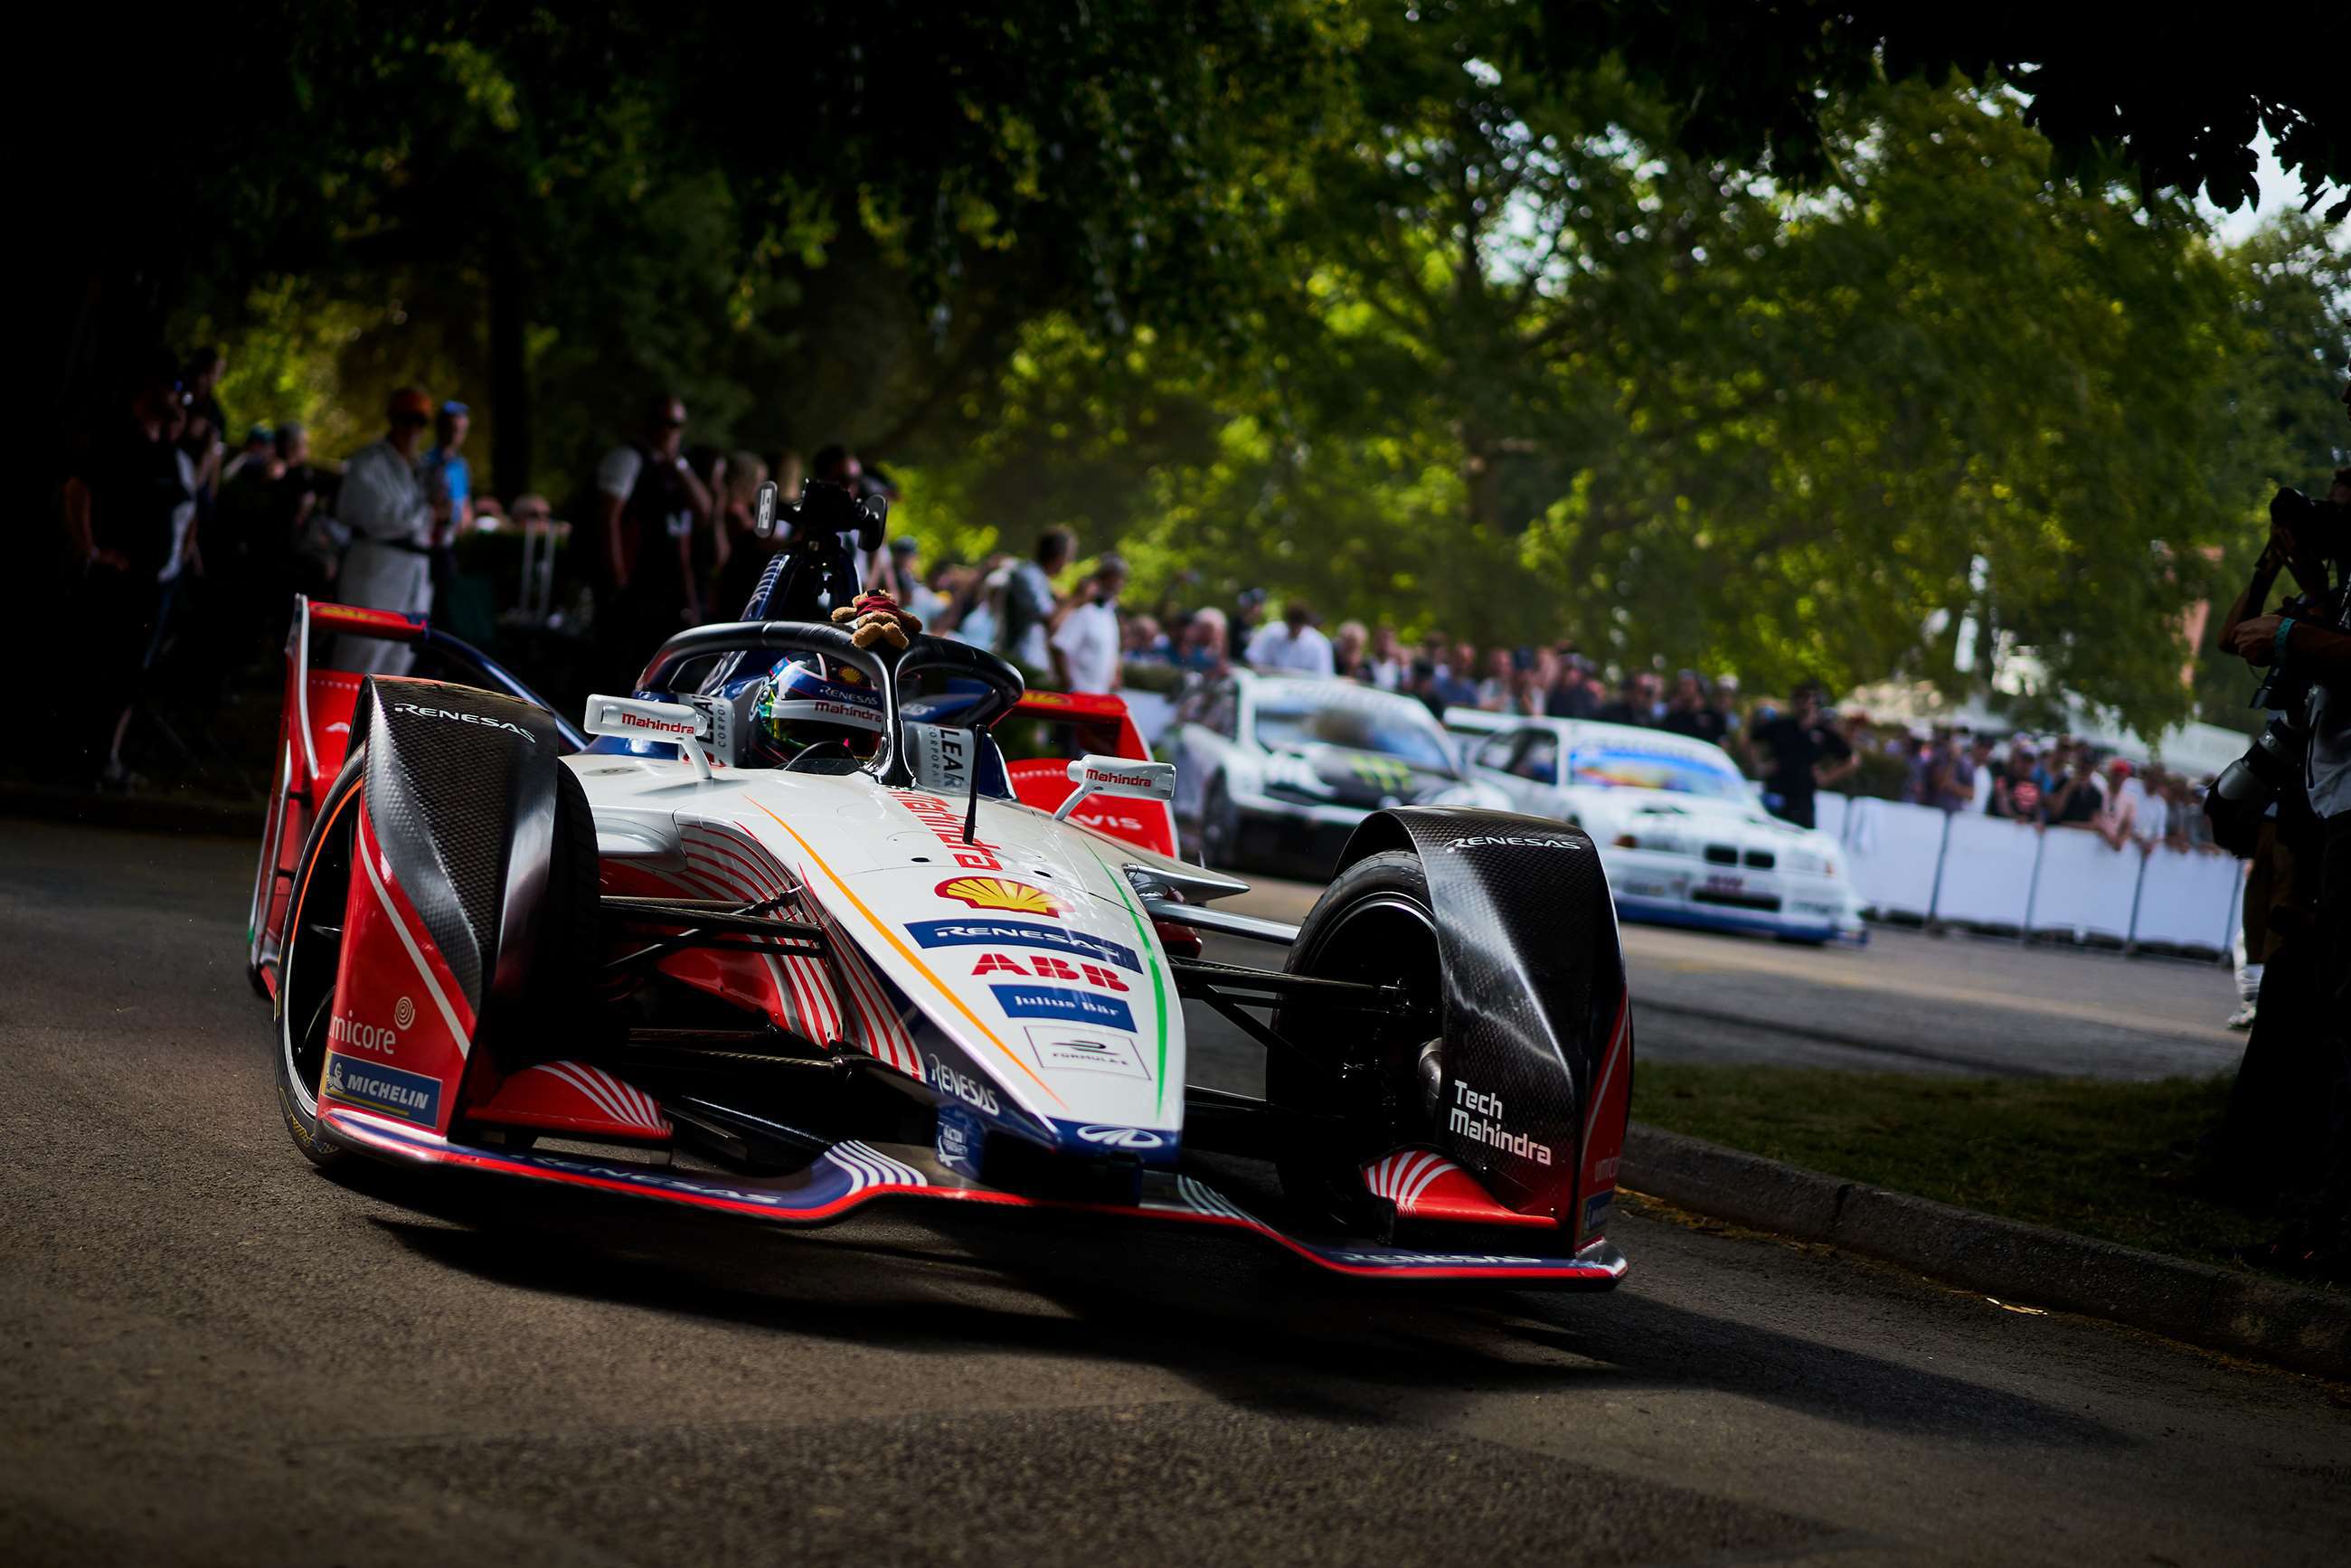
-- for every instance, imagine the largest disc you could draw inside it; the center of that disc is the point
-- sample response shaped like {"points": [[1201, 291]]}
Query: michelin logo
{"points": [[388, 1090]]}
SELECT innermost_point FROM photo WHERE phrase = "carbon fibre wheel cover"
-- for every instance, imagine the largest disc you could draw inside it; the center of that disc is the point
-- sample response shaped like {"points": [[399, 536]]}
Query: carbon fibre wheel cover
{"points": [[1534, 979], [461, 792]]}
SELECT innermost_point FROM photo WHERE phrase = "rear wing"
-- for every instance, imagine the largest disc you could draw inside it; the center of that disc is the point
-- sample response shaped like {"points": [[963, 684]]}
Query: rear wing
{"points": [[1044, 782]]}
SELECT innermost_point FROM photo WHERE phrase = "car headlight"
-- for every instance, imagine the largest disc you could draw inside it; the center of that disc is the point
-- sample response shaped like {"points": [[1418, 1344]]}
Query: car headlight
{"points": [[1283, 771]]}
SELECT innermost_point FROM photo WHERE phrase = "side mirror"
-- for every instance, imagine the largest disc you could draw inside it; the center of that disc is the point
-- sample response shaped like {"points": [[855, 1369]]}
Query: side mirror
{"points": [[763, 510], [636, 719], [1098, 775]]}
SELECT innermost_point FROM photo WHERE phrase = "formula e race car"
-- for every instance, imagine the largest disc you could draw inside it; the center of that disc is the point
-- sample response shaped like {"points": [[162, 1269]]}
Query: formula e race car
{"points": [[787, 931]]}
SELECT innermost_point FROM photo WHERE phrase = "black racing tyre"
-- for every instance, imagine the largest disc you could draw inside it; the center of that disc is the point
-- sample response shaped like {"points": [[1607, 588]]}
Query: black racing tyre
{"points": [[309, 959], [1352, 1081]]}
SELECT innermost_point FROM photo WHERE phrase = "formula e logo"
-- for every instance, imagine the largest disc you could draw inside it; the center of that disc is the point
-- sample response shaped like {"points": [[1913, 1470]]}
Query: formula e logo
{"points": [[1122, 1138], [484, 720]]}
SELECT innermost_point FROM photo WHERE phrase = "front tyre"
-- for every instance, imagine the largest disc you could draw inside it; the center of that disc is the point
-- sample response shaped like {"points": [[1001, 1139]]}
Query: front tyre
{"points": [[311, 961], [1357, 1086]]}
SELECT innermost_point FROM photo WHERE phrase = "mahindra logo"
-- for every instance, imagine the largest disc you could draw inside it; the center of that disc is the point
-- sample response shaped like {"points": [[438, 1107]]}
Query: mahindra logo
{"points": [[1132, 780], [1122, 1138], [638, 721]]}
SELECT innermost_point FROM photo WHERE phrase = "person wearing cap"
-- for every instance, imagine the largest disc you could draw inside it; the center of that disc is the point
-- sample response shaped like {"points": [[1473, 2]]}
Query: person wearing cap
{"points": [[448, 479], [389, 563]]}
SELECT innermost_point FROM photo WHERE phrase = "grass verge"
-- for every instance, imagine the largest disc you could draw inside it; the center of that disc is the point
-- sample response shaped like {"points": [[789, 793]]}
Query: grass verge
{"points": [[2122, 1162]]}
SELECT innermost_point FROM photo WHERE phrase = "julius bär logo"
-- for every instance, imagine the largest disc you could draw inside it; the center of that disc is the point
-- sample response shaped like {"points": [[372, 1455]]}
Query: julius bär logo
{"points": [[403, 1013], [1000, 892]]}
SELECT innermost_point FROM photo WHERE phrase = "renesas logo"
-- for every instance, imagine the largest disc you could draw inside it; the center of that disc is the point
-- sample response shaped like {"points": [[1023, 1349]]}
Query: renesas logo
{"points": [[482, 719], [1478, 1118], [1122, 1137], [1520, 840], [972, 1091], [1019, 934], [345, 1033]]}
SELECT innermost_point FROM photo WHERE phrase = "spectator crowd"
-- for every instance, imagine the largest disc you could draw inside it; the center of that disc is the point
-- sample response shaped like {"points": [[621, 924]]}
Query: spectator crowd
{"points": [[190, 547]]}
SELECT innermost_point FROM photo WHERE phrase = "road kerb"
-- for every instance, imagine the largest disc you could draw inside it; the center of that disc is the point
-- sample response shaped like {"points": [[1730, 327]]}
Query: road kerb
{"points": [[2220, 1309]]}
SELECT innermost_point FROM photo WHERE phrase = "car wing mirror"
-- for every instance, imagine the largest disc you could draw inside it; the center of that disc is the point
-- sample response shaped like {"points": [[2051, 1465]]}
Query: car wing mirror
{"points": [[763, 510], [1097, 775], [634, 718]]}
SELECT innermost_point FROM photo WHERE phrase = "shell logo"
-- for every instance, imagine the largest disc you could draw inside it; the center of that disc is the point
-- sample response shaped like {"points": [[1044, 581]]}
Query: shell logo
{"points": [[1000, 892]]}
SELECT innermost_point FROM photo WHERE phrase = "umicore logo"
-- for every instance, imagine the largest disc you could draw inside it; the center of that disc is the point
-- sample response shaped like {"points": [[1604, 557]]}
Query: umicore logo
{"points": [[353, 1035]]}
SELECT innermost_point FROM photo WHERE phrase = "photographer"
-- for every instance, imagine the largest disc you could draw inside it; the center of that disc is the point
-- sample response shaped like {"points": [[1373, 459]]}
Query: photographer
{"points": [[2302, 1041]]}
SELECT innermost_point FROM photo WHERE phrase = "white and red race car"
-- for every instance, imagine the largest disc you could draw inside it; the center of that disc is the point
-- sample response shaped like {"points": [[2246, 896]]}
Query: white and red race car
{"points": [[653, 956]]}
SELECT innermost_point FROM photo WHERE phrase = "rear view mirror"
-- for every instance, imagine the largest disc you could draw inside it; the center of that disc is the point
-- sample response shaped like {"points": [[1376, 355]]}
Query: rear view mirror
{"points": [[763, 510], [636, 719], [1098, 775]]}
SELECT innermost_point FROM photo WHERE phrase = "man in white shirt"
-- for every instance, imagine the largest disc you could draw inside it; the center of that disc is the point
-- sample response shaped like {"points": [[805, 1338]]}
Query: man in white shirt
{"points": [[1086, 644], [389, 565], [1292, 643]]}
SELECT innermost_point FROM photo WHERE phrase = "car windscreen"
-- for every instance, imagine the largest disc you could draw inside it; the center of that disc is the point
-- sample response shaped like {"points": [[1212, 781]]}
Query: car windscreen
{"points": [[1289, 720], [1631, 766]]}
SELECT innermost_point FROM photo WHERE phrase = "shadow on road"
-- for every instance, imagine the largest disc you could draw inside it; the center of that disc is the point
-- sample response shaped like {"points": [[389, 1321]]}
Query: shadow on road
{"points": [[1240, 1323]]}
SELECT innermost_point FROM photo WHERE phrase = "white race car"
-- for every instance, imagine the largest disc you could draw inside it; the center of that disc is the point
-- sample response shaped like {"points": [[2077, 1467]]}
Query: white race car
{"points": [[1685, 840], [1277, 771]]}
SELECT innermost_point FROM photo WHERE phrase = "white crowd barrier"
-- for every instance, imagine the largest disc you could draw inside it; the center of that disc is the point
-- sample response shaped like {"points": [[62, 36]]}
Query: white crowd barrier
{"points": [[1917, 863], [2084, 888], [1830, 812], [1987, 871], [1895, 851], [2187, 900]]}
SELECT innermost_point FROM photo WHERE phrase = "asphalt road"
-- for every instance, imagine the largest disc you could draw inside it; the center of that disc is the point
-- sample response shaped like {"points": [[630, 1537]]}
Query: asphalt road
{"points": [[214, 1354], [1906, 1001]]}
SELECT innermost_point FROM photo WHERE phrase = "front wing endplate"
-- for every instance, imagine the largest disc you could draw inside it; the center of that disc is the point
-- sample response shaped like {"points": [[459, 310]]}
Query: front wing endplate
{"points": [[851, 1175]]}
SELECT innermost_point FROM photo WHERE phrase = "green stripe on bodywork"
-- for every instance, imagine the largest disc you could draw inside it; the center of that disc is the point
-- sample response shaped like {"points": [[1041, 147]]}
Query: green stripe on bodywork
{"points": [[1147, 946]]}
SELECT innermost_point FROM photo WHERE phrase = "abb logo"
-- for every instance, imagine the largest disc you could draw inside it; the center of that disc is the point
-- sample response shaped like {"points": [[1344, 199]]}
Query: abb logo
{"points": [[1045, 966]]}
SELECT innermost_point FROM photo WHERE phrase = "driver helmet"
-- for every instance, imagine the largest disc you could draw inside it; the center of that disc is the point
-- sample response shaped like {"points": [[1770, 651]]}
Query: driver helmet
{"points": [[808, 701]]}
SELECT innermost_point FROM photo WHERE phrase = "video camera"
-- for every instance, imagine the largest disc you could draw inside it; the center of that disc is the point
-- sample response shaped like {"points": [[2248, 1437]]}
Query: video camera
{"points": [[816, 570], [2270, 771]]}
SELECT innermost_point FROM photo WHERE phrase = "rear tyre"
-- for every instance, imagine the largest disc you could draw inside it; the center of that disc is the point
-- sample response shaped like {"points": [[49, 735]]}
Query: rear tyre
{"points": [[1355, 1083]]}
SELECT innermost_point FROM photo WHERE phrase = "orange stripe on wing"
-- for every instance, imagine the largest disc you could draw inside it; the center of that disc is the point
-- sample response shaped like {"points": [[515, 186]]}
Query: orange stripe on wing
{"points": [[912, 957]]}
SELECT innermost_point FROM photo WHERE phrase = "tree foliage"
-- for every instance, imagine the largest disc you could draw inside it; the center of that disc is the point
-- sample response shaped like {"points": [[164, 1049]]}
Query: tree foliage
{"points": [[1767, 336]]}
